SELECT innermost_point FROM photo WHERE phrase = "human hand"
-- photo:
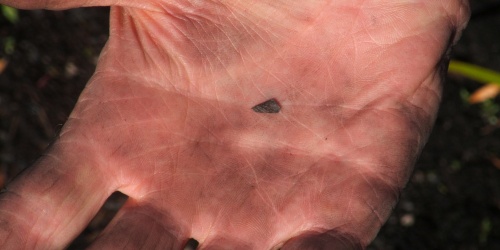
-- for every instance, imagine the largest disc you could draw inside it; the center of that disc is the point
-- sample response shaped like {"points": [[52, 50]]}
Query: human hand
{"points": [[167, 119]]}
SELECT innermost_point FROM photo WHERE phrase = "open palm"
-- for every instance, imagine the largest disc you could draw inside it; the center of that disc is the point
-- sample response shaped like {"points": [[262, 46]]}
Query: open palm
{"points": [[169, 120]]}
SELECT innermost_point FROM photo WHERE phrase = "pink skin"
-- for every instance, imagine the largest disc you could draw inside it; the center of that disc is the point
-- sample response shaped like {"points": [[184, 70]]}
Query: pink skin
{"points": [[167, 120]]}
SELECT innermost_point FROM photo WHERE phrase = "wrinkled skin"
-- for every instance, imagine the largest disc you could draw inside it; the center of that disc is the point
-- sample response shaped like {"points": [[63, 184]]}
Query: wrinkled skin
{"points": [[167, 119]]}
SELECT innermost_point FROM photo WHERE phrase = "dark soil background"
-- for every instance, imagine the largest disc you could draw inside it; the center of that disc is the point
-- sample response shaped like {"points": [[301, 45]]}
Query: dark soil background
{"points": [[452, 201]]}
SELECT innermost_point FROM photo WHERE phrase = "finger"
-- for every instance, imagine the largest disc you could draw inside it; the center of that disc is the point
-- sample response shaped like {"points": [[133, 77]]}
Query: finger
{"points": [[140, 226], [68, 4], [318, 241], [459, 14], [49, 204], [220, 243]]}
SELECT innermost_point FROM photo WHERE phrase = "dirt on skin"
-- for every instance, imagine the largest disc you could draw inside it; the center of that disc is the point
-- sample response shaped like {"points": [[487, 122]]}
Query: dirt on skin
{"points": [[451, 202]]}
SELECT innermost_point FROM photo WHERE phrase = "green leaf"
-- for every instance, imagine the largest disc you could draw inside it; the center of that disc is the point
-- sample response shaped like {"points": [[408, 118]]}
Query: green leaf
{"points": [[10, 14], [474, 72], [9, 45]]}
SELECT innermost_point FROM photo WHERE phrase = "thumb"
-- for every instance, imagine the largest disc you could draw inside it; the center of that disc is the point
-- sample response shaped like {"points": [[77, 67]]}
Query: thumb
{"points": [[318, 241], [68, 4]]}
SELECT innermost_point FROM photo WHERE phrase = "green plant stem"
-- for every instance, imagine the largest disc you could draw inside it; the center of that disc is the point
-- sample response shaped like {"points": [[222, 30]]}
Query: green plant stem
{"points": [[474, 72]]}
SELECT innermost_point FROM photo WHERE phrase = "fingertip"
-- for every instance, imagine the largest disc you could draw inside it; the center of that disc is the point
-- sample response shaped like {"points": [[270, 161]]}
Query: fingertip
{"points": [[328, 240], [459, 14], [464, 14], [142, 226]]}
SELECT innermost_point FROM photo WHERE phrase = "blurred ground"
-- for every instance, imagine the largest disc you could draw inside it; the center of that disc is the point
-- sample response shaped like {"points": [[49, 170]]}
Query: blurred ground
{"points": [[452, 201]]}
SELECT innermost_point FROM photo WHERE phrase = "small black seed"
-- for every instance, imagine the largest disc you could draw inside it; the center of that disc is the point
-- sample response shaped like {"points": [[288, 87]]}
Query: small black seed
{"points": [[270, 106], [191, 244]]}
